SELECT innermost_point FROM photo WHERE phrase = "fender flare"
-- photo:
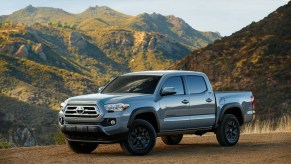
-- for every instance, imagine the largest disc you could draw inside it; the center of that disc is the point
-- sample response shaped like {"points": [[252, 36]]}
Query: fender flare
{"points": [[141, 110], [225, 108]]}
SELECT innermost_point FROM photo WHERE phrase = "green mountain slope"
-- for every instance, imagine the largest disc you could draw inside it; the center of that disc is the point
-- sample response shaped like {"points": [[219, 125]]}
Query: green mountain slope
{"points": [[30, 15], [105, 15], [173, 27], [44, 65], [39, 84], [97, 17], [256, 58], [24, 124]]}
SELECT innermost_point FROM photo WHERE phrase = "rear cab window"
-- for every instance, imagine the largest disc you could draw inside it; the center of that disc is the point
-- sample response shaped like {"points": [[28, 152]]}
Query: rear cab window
{"points": [[196, 84]]}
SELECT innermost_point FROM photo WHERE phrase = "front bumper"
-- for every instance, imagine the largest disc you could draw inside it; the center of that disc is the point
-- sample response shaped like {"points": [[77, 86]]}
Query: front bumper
{"points": [[94, 134], [89, 129]]}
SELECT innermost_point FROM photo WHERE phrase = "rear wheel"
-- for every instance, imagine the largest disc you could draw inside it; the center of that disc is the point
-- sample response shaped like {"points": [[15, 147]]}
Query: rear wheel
{"points": [[81, 147], [172, 139], [228, 133], [141, 138]]}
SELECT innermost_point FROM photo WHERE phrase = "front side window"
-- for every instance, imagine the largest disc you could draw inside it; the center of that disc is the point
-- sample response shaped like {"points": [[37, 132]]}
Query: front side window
{"points": [[145, 84], [196, 84], [175, 81]]}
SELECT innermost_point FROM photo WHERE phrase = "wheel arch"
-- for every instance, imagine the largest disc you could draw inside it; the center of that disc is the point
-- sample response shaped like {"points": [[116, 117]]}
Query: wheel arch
{"points": [[146, 113], [234, 109]]}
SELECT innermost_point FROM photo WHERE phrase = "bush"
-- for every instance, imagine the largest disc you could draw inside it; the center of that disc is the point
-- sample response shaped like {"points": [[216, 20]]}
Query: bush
{"points": [[60, 138], [5, 144]]}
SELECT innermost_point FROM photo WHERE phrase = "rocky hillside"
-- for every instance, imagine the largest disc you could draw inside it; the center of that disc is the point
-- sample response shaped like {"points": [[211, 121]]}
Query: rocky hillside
{"points": [[27, 125], [48, 55], [256, 58], [96, 18]]}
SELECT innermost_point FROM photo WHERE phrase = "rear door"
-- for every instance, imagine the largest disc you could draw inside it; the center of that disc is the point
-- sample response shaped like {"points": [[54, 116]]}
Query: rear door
{"points": [[202, 102], [175, 108]]}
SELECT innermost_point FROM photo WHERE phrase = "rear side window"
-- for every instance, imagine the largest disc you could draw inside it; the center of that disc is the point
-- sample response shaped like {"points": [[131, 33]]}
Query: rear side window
{"points": [[196, 84], [175, 81]]}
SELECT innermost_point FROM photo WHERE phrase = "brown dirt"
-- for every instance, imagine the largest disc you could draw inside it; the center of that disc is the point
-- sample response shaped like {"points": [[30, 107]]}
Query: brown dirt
{"points": [[252, 148]]}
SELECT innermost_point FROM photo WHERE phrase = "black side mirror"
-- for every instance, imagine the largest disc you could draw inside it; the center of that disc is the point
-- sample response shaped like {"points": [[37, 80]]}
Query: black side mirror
{"points": [[168, 91]]}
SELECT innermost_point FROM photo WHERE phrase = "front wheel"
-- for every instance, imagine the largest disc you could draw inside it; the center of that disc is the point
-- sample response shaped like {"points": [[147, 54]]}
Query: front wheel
{"points": [[172, 139], [81, 147], [141, 138], [228, 132]]}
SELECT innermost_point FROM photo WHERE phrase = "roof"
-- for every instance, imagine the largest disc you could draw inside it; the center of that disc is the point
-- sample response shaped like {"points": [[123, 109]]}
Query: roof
{"points": [[161, 72]]}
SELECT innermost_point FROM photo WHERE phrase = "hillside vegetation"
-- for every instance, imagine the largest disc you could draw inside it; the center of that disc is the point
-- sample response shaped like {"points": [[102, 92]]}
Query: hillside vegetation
{"points": [[99, 17], [27, 125], [257, 58]]}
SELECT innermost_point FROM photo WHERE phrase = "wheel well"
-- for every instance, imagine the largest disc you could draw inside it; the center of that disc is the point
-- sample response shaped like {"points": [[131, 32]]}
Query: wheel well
{"points": [[149, 117], [237, 113]]}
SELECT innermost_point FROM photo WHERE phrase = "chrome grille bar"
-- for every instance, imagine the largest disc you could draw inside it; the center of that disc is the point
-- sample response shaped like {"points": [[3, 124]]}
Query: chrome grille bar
{"points": [[82, 111]]}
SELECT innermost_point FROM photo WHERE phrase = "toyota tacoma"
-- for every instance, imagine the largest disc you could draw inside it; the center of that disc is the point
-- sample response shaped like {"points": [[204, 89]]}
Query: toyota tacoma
{"points": [[136, 108]]}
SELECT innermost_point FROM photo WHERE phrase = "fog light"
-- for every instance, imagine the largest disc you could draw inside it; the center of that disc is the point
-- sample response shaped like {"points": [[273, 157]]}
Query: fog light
{"points": [[61, 120], [112, 122]]}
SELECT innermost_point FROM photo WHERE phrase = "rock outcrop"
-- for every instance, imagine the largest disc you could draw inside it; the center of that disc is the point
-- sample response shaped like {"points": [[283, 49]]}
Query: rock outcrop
{"points": [[22, 51], [38, 49]]}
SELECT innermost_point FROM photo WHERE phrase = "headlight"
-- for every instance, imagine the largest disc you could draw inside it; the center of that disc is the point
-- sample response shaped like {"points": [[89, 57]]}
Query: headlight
{"points": [[116, 107], [63, 105]]}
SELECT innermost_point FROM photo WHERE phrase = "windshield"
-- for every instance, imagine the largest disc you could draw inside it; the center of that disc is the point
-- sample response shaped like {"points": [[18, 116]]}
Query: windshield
{"points": [[145, 84]]}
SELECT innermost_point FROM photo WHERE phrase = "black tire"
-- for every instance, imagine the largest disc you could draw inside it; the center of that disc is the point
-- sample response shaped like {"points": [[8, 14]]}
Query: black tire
{"points": [[141, 138], [173, 139], [80, 147], [228, 132]]}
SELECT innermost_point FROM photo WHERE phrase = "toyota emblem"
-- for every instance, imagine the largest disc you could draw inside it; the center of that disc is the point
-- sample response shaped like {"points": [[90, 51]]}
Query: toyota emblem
{"points": [[80, 110]]}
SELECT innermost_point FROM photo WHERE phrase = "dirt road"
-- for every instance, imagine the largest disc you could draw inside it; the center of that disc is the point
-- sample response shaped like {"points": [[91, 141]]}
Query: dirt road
{"points": [[252, 148]]}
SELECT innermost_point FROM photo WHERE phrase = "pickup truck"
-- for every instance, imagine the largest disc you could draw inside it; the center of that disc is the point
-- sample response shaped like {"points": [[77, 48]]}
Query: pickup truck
{"points": [[136, 108]]}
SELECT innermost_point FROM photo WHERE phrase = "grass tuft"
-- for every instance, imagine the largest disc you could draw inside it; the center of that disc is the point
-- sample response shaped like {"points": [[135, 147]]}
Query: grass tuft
{"points": [[283, 124]]}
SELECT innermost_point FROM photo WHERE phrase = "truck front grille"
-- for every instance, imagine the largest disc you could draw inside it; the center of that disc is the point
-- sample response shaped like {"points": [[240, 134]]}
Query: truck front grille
{"points": [[81, 111]]}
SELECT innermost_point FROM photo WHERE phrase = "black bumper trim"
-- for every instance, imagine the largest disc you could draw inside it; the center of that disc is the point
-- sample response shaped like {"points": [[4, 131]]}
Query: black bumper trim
{"points": [[77, 128], [98, 141], [94, 134]]}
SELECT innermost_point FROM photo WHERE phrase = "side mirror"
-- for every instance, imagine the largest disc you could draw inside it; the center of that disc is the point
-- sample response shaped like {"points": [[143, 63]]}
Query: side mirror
{"points": [[100, 89], [168, 91]]}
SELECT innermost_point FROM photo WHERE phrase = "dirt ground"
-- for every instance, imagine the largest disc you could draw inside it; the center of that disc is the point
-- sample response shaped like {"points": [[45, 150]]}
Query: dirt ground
{"points": [[252, 148]]}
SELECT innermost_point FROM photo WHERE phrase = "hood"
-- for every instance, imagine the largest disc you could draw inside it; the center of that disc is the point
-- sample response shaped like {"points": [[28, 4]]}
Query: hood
{"points": [[105, 98]]}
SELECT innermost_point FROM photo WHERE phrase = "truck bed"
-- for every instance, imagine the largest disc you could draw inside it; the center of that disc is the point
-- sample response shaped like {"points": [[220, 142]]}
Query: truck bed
{"points": [[236, 98]]}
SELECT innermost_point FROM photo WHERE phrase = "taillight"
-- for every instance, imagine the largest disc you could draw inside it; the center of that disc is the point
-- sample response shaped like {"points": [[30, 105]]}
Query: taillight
{"points": [[253, 102]]}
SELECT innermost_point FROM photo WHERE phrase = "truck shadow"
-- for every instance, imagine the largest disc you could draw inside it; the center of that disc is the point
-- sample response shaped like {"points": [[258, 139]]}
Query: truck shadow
{"points": [[162, 150]]}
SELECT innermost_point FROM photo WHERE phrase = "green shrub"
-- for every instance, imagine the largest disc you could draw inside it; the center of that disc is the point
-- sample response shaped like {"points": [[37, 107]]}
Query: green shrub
{"points": [[60, 138], [5, 144]]}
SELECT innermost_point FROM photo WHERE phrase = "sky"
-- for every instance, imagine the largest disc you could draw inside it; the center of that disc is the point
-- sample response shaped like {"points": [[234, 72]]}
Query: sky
{"points": [[223, 16]]}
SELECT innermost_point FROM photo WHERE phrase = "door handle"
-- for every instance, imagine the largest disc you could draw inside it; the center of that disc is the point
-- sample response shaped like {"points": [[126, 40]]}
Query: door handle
{"points": [[209, 100], [185, 101]]}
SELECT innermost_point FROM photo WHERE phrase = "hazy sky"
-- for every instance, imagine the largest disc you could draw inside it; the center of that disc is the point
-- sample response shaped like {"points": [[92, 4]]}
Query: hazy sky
{"points": [[224, 16]]}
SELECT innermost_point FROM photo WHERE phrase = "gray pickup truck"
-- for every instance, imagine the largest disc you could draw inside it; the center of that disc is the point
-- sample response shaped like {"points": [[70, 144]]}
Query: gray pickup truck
{"points": [[136, 108]]}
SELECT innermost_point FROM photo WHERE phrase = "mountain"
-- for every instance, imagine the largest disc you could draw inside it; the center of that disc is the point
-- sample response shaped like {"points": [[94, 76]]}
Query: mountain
{"points": [[256, 58], [173, 27], [101, 32], [48, 55], [39, 84], [94, 18], [30, 15], [104, 15]]}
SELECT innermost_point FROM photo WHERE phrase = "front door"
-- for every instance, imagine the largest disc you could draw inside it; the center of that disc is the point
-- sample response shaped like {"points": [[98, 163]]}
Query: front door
{"points": [[175, 108]]}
